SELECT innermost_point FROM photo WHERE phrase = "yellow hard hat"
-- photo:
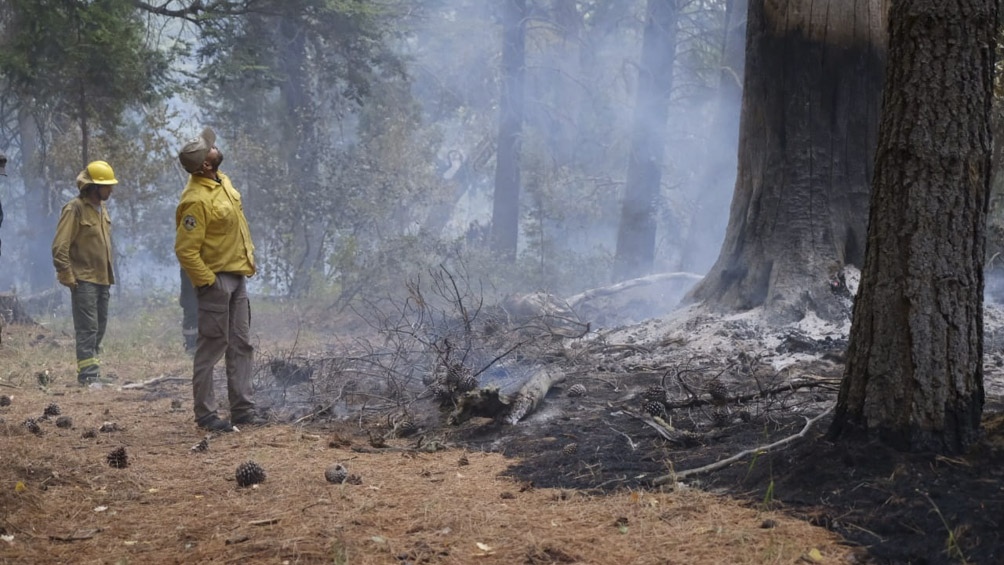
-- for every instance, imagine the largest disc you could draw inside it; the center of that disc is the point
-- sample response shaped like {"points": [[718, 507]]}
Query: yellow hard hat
{"points": [[101, 173]]}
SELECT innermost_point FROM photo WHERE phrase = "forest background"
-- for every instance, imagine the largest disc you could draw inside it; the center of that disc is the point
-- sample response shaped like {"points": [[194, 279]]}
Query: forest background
{"points": [[364, 135]]}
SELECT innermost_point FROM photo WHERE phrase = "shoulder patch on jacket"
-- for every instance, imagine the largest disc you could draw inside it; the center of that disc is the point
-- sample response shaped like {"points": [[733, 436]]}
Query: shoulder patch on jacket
{"points": [[188, 222]]}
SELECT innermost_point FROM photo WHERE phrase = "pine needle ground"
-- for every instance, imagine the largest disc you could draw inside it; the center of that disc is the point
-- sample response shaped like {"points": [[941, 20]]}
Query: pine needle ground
{"points": [[60, 501]]}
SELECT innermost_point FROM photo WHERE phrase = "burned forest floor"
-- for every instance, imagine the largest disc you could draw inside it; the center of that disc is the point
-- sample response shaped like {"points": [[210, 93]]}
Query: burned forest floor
{"points": [[606, 469]]}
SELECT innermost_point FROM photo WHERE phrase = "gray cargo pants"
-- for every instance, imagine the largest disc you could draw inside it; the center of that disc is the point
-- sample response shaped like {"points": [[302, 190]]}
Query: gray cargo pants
{"points": [[224, 330], [89, 302]]}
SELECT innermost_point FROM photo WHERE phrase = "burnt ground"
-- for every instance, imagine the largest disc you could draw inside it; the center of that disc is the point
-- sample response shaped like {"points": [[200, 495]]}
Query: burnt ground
{"points": [[900, 507], [897, 507]]}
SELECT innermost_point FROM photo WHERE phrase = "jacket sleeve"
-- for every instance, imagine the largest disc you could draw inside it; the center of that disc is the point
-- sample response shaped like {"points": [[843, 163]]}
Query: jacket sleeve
{"points": [[66, 231], [189, 236]]}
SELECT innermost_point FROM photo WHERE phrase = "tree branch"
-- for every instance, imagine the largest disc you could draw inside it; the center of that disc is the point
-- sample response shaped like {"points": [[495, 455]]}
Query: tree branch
{"points": [[673, 477]]}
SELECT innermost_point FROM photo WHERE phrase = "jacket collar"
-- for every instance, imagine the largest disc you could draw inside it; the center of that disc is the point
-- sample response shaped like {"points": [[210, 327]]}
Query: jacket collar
{"points": [[207, 183]]}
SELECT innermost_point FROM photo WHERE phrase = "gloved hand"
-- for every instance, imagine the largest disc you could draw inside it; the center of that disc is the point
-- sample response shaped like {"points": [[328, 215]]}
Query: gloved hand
{"points": [[66, 278]]}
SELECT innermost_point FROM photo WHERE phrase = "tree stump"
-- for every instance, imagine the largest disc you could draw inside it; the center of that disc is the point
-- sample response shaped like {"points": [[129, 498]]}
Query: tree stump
{"points": [[11, 311]]}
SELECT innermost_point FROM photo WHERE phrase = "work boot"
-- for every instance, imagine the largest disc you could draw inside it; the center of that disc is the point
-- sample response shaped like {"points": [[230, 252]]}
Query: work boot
{"points": [[216, 424]]}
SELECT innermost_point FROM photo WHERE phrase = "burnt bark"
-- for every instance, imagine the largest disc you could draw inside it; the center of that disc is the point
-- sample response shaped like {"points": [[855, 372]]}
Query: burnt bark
{"points": [[811, 98], [505, 203], [636, 232], [914, 376]]}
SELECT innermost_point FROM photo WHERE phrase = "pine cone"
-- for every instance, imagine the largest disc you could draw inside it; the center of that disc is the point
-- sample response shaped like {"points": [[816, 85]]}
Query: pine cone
{"points": [[721, 418], [353, 480], [456, 373], [718, 391], [463, 461], [336, 474], [64, 422], [31, 424], [570, 449], [406, 428], [201, 446], [118, 458], [654, 408], [655, 392], [577, 389], [5, 400], [51, 410], [467, 383], [250, 473]]}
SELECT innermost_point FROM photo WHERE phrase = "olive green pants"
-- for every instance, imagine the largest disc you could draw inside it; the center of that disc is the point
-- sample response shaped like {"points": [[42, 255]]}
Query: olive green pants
{"points": [[224, 331], [90, 318]]}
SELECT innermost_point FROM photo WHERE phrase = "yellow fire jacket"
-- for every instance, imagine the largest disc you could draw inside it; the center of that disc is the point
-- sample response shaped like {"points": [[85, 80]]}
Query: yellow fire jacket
{"points": [[212, 234], [82, 247]]}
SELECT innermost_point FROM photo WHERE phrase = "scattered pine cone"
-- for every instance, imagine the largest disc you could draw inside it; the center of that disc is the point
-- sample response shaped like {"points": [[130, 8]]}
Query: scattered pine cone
{"points": [[5, 400], [463, 461], [202, 446], [175, 404], [353, 480], [31, 424], [577, 389], [406, 428], [336, 474], [718, 391], [721, 418], [250, 473], [655, 392], [64, 422], [440, 392], [456, 373], [570, 448], [118, 458], [654, 407], [467, 383], [109, 427], [88, 434], [51, 410]]}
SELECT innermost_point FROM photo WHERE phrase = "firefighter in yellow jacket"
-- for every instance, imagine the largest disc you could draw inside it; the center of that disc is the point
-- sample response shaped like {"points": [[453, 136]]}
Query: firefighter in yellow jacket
{"points": [[213, 245], [82, 255]]}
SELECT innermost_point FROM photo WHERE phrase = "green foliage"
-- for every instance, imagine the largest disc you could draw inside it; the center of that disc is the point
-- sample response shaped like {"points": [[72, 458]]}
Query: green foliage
{"points": [[88, 61]]}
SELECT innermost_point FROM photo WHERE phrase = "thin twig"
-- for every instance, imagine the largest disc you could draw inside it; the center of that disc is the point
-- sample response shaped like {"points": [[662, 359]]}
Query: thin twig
{"points": [[673, 477]]}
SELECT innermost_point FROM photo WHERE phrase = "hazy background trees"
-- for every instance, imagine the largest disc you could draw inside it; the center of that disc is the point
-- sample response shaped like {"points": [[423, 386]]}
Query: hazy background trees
{"points": [[365, 135]]}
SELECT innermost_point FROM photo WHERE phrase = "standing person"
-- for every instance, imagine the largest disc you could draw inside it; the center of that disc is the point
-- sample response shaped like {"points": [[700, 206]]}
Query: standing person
{"points": [[82, 255], [213, 245], [189, 313]]}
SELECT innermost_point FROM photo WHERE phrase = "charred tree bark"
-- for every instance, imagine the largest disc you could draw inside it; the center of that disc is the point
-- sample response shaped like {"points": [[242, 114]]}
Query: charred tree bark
{"points": [[811, 97], [914, 376], [505, 203], [636, 234]]}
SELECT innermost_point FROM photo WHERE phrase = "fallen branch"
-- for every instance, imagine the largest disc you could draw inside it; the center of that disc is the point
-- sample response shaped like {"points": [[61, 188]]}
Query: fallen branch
{"points": [[492, 402], [578, 299], [155, 381], [790, 386], [673, 477]]}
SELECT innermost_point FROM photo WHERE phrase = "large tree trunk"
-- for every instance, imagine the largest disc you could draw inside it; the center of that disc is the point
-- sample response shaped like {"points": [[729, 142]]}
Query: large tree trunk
{"points": [[914, 376], [718, 177], [811, 97], [505, 203], [636, 233]]}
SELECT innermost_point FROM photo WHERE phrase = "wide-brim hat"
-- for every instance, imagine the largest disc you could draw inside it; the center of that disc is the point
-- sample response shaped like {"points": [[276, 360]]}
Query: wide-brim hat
{"points": [[193, 154]]}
